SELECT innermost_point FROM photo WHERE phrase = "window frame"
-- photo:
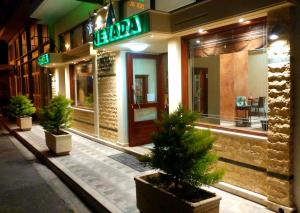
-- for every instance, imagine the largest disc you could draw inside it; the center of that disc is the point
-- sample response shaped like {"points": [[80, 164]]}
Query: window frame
{"points": [[73, 86], [186, 84]]}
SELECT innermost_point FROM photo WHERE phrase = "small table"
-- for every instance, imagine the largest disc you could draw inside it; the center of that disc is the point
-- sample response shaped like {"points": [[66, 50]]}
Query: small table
{"points": [[246, 120]]}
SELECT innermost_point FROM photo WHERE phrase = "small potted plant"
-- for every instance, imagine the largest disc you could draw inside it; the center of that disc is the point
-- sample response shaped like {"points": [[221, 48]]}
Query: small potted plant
{"points": [[54, 118], [182, 155], [21, 109]]}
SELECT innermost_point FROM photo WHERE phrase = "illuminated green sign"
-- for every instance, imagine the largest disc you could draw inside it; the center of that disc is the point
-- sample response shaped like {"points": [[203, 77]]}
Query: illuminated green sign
{"points": [[134, 25], [44, 59]]}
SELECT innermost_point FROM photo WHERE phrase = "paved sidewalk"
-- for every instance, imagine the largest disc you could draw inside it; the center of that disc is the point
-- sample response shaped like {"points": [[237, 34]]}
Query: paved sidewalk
{"points": [[24, 187], [107, 174]]}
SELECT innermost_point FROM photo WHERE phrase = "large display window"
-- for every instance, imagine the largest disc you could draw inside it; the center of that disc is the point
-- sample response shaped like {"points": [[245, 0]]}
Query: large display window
{"points": [[84, 85], [227, 76]]}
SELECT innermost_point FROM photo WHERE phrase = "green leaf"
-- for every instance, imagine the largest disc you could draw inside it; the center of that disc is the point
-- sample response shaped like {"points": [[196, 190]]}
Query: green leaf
{"points": [[57, 115], [182, 151]]}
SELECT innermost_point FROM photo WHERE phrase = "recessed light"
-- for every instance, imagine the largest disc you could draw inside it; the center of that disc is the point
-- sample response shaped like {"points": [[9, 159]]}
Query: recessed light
{"points": [[241, 20], [247, 22], [105, 7], [202, 31], [151, 36], [198, 41]]}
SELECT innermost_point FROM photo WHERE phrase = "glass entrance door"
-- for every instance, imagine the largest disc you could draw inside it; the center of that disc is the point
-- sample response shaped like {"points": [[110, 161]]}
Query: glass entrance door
{"points": [[144, 96]]}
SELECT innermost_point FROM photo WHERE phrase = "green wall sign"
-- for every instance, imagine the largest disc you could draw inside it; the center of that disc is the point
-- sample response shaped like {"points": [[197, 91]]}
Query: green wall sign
{"points": [[132, 26], [44, 59]]}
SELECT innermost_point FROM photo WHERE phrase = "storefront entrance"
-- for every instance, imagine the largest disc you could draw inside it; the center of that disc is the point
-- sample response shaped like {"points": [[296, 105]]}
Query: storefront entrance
{"points": [[145, 96]]}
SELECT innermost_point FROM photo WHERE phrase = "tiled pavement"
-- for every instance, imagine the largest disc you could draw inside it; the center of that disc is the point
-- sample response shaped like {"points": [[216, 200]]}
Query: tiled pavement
{"points": [[110, 173]]}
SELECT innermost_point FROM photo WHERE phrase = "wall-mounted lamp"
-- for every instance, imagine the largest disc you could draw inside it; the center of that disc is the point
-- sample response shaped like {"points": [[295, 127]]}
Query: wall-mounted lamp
{"points": [[67, 46], [276, 31]]}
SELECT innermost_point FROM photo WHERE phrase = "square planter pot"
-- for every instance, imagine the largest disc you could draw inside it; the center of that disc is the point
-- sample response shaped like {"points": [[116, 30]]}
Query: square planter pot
{"points": [[25, 123], [59, 144], [153, 199]]}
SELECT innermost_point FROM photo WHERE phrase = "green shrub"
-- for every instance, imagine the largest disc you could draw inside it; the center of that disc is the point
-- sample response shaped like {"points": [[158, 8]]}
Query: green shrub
{"points": [[183, 152], [20, 106], [57, 115]]}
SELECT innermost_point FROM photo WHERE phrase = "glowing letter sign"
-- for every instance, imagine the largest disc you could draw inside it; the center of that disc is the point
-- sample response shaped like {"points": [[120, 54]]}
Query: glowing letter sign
{"points": [[44, 59], [134, 25]]}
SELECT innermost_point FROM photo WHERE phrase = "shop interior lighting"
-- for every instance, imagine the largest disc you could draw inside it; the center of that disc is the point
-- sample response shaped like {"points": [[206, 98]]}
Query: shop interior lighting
{"points": [[136, 47]]}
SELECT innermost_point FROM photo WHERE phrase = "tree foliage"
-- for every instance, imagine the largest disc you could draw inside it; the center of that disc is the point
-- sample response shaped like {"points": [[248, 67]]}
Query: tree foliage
{"points": [[20, 106], [183, 152], [57, 115]]}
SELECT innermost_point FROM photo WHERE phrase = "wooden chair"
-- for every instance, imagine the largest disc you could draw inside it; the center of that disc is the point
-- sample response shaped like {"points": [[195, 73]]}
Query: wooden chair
{"points": [[260, 104]]}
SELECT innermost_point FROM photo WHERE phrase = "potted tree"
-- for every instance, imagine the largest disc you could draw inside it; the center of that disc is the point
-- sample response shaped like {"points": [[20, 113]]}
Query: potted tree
{"points": [[182, 155], [54, 118], [21, 109]]}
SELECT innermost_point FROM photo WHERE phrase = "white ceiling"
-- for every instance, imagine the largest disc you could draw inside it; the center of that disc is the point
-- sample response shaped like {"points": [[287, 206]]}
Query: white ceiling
{"points": [[44, 12], [158, 43]]}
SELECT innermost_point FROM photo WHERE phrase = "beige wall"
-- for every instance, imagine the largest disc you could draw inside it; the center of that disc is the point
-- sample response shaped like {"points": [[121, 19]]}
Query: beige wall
{"points": [[244, 160], [61, 80], [212, 63], [258, 74], [83, 121], [164, 5]]}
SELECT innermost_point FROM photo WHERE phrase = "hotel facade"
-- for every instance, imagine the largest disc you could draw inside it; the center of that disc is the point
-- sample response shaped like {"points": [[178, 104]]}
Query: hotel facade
{"points": [[235, 62]]}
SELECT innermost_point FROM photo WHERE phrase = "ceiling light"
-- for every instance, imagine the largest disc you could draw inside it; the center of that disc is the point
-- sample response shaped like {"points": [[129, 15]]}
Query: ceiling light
{"points": [[151, 36], [105, 7], [247, 22], [241, 20], [198, 41], [136, 47]]}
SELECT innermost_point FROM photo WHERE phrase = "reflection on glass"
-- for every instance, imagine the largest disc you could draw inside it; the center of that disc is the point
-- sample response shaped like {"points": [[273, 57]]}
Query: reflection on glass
{"points": [[145, 114], [84, 85], [225, 66], [144, 74]]}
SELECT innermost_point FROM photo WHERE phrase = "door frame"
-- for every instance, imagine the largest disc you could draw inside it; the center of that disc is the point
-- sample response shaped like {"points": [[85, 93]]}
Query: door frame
{"points": [[130, 97], [203, 103]]}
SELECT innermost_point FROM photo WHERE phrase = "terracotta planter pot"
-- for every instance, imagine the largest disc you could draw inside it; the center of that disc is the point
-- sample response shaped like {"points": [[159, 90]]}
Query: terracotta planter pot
{"points": [[152, 199], [25, 123], [59, 144]]}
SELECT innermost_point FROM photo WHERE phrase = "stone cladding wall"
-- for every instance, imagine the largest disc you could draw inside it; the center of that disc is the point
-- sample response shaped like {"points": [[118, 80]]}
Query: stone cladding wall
{"points": [[108, 121]]}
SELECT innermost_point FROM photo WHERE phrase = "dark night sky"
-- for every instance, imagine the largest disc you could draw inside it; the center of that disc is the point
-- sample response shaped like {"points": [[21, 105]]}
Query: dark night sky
{"points": [[6, 9]]}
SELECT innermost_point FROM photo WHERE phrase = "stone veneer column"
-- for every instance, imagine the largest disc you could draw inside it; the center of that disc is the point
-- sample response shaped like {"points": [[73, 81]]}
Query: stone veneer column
{"points": [[280, 102], [108, 121]]}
